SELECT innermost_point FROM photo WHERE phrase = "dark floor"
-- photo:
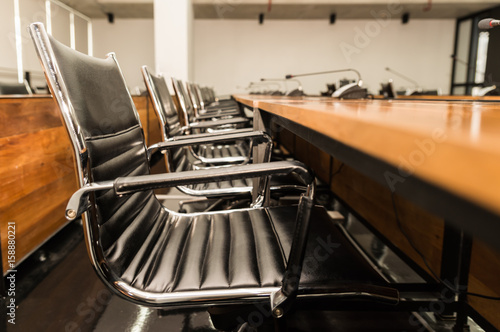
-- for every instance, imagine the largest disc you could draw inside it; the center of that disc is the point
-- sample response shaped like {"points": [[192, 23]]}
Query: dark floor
{"points": [[57, 290], [71, 298]]}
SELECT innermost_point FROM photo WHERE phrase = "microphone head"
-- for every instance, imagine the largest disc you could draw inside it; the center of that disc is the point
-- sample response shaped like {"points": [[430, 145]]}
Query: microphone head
{"points": [[485, 24], [288, 77]]}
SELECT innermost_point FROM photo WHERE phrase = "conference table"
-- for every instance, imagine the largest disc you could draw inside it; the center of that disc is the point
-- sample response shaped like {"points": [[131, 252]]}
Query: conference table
{"points": [[442, 155]]}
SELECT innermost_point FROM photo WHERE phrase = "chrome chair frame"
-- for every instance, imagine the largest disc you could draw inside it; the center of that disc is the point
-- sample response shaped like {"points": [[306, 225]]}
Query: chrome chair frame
{"points": [[172, 130], [187, 110], [201, 109], [172, 133], [124, 190]]}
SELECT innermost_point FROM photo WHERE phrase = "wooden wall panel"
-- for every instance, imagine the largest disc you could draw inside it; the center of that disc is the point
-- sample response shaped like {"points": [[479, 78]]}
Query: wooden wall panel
{"points": [[37, 174], [287, 140], [373, 202], [149, 121], [318, 160]]}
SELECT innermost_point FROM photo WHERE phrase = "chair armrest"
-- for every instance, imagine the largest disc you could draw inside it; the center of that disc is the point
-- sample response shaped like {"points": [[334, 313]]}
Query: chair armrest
{"points": [[78, 202], [254, 136], [218, 123], [215, 116], [228, 107], [219, 133]]}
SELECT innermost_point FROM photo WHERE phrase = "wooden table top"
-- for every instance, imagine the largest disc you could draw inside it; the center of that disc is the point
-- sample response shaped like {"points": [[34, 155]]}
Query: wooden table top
{"points": [[453, 145], [447, 98]]}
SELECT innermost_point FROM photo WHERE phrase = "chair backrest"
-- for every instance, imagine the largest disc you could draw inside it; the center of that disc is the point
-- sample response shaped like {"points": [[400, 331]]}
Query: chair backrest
{"points": [[197, 92], [193, 98], [108, 142], [163, 103], [15, 88], [187, 108], [176, 159], [211, 95]]}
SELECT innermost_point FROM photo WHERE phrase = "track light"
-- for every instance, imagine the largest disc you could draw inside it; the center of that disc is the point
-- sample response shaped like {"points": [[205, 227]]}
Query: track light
{"points": [[333, 17], [405, 18]]}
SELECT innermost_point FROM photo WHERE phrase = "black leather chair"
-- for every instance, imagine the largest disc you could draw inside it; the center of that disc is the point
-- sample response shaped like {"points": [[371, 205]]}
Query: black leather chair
{"points": [[191, 114], [15, 89], [229, 108], [202, 151], [233, 147], [211, 101], [155, 257], [232, 151]]}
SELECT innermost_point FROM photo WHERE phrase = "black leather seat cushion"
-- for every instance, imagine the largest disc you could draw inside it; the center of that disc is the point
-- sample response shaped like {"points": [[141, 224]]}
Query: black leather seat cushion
{"points": [[223, 151], [245, 248], [182, 161]]}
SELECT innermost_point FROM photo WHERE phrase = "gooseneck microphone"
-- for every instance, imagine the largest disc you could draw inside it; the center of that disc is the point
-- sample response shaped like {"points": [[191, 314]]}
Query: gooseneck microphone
{"points": [[488, 23], [295, 92], [299, 84], [327, 72]]}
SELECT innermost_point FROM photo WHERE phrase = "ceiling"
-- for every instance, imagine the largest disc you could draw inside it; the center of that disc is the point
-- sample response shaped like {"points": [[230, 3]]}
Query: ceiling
{"points": [[323, 11], [286, 9], [120, 9]]}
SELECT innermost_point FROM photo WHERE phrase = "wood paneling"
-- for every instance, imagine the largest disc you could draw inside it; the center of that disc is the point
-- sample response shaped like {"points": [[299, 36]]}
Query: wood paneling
{"points": [[37, 174], [27, 115], [373, 202], [287, 139], [149, 121], [320, 160]]}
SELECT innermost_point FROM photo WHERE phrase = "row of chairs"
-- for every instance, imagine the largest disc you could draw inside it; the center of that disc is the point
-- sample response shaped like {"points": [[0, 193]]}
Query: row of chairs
{"points": [[233, 145], [150, 255]]}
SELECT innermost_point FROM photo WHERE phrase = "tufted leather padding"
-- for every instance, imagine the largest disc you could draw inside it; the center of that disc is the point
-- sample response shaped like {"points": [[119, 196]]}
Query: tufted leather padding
{"points": [[115, 149], [169, 116], [103, 108], [183, 162], [240, 249], [223, 151], [183, 158]]}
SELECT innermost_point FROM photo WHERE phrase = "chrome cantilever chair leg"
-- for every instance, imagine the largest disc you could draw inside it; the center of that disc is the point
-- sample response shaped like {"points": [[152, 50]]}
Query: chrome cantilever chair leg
{"points": [[151, 256]]}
